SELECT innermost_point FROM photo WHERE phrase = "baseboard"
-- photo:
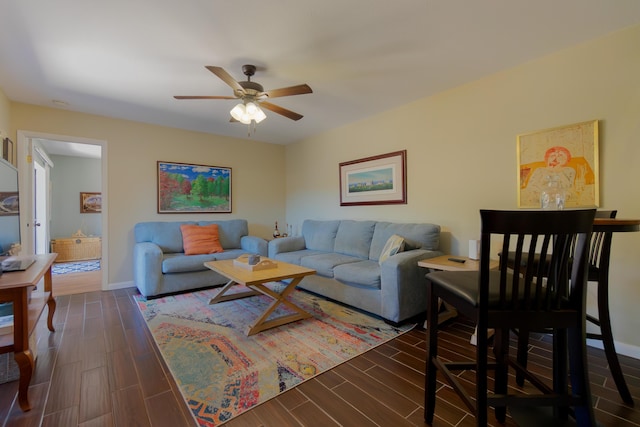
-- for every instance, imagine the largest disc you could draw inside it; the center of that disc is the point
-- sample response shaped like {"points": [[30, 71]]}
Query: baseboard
{"points": [[621, 348], [121, 285]]}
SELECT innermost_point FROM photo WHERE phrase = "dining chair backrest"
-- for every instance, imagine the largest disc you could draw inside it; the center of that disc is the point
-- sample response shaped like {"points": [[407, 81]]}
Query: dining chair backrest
{"points": [[560, 237]]}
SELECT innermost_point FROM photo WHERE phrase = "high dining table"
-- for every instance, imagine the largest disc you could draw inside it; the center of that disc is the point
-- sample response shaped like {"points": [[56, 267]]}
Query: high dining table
{"points": [[609, 226]]}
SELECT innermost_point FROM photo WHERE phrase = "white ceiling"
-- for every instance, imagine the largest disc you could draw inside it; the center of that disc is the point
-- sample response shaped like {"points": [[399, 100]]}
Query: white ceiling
{"points": [[126, 59]]}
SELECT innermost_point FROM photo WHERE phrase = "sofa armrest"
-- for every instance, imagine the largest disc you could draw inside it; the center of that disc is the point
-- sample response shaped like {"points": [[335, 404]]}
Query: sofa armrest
{"points": [[286, 244], [403, 284], [254, 245], [147, 267]]}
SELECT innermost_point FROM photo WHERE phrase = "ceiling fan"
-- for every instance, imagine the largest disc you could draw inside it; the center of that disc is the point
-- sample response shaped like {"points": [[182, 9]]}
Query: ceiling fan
{"points": [[253, 95]]}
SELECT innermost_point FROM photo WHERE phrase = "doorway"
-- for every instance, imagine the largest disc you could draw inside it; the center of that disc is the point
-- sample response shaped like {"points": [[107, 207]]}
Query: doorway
{"points": [[38, 206]]}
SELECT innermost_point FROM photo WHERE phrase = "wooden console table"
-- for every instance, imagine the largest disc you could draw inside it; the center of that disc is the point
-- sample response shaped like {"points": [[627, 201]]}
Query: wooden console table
{"points": [[16, 287]]}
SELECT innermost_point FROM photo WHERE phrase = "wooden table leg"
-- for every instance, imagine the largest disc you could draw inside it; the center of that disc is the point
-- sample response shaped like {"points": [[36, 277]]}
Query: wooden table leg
{"points": [[221, 297], [51, 302], [262, 324]]}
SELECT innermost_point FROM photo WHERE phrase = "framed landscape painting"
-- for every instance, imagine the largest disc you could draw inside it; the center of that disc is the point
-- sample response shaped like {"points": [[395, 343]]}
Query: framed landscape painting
{"points": [[376, 180], [188, 188], [90, 202]]}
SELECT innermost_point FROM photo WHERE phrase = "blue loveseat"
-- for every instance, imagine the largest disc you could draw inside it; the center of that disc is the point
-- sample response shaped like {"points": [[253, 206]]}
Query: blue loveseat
{"points": [[161, 267], [346, 254]]}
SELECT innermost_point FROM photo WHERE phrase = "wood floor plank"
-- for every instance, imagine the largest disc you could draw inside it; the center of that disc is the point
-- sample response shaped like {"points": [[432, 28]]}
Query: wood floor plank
{"points": [[95, 399], [164, 410], [127, 407]]}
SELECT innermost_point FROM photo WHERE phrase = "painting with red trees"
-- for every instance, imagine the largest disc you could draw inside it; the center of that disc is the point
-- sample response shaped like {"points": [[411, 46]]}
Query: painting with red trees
{"points": [[187, 188]]}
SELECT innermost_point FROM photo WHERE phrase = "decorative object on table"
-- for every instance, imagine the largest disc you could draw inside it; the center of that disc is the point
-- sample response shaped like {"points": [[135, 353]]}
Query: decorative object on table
{"points": [[376, 180], [189, 188], [276, 232], [253, 262], [78, 233], [222, 373], [558, 167], [90, 202], [474, 249]]}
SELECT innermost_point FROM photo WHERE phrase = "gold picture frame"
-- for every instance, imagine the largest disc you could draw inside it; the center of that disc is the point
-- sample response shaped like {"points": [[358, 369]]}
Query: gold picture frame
{"points": [[90, 202], [376, 180], [568, 154]]}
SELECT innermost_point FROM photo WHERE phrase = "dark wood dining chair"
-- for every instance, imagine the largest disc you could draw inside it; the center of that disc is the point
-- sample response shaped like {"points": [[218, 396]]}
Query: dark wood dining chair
{"points": [[598, 272], [540, 298]]}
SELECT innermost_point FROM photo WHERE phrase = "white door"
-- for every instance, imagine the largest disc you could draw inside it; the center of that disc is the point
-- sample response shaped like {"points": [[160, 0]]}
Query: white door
{"points": [[41, 221]]}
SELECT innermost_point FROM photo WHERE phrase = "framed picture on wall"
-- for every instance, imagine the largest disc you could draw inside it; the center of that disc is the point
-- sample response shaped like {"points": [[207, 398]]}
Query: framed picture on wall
{"points": [[376, 180], [90, 202], [565, 157], [190, 188], [7, 150]]}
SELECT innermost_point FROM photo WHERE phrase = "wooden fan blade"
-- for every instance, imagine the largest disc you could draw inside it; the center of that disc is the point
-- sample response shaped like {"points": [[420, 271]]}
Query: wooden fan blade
{"points": [[226, 77], [204, 97], [282, 111], [289, 91]]}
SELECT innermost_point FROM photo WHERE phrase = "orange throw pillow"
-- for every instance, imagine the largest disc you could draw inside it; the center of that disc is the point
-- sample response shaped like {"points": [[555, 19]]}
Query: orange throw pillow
{"points": [[200, 239]]}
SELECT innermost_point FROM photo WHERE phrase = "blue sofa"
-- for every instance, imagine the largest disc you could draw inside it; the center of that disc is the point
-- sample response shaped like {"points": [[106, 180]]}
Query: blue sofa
{"points": [[345, 255], [161, 267]]}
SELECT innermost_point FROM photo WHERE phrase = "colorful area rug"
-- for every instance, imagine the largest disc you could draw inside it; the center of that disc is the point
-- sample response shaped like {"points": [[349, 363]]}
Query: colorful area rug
{"points": [[75, 267], [223, 373]]}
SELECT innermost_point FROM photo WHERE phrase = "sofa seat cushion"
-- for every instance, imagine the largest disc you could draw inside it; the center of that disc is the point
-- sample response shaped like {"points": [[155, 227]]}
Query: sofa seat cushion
{"points": [[181, 263], [295, 257], [230, 254], [324, 264], [363, 273]]}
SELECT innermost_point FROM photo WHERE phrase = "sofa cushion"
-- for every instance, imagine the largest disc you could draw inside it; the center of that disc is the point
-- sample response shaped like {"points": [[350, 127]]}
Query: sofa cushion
{"points": [[179, 263], [200, 239], [230, 231], [417, 236], [394, 245], [166, 235], [295, 257], [320, 235], [363, 273], [354, 238], [324, 264]]}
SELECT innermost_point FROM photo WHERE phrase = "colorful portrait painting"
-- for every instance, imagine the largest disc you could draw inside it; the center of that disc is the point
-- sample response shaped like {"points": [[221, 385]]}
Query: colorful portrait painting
{"points": [[564, 157]]}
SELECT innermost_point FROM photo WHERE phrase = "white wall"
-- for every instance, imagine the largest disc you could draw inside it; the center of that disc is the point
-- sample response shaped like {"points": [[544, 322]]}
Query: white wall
{"points": [[461, 148]]}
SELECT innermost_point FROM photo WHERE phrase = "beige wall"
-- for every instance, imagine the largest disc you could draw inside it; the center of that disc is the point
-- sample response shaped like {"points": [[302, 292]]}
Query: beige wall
{"points": [[461, 148], [5, 116], [132, 152]]}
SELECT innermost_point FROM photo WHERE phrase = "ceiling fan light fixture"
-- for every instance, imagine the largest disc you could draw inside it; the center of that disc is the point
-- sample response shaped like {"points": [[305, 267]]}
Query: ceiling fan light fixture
{"points": [[238, 111], [245, 113]]}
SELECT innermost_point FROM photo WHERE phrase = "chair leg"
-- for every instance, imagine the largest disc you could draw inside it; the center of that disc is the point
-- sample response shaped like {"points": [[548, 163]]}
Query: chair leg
{"points": [[481, 376], [607, 341], [580, 377], [560, 369], [523, 354], [501, 352], [432, 353]]}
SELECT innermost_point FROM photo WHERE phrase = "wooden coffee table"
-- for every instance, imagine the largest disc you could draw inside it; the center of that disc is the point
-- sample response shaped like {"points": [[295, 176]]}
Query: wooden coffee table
{"points": [[255, 280]]}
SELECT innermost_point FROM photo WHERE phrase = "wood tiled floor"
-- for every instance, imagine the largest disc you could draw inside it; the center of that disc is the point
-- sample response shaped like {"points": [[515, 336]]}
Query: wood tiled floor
{"points": [[101, 368]]}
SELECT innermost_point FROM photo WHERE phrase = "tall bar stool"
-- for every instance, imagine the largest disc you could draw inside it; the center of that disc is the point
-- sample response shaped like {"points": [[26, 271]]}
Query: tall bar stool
{"points": [[540, 298]]}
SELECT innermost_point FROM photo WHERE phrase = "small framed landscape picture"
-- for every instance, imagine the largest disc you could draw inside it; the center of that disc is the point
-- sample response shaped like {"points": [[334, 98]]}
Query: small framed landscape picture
{"points": [[190, 188], [376, 180], [90, 202]]}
